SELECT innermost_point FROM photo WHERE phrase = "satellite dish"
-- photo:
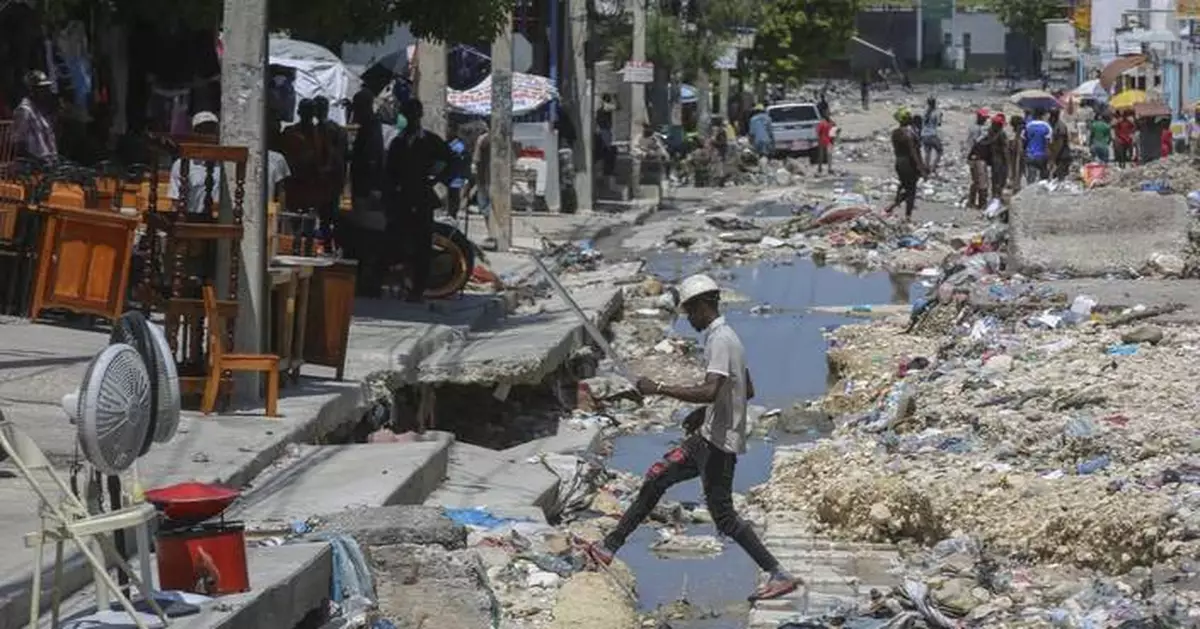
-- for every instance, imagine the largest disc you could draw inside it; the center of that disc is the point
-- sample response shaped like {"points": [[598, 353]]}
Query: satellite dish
{"points": [[112, 410], [133, 329]]}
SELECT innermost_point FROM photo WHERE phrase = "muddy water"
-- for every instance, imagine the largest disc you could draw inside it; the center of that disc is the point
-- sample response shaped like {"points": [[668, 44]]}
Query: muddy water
{"points": [[786, 354]]}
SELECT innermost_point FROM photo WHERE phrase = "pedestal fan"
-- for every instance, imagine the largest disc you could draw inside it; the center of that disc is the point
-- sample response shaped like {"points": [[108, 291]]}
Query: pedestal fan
{"points": [[129, 398]]}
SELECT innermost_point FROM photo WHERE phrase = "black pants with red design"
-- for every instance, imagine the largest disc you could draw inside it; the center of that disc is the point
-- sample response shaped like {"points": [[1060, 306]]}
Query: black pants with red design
{"points": [[695, 457]]}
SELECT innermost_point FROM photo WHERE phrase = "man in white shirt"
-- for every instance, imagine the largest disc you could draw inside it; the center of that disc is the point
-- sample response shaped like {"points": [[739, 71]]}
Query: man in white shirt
{"points": [[715, 437], [197, 184]]}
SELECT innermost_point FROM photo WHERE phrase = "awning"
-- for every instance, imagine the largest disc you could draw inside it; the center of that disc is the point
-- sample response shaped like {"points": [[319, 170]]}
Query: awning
{"points": [[1121, 65], [529, 91]]}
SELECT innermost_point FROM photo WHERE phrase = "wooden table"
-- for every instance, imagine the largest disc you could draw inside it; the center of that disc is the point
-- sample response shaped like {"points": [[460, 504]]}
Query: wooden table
{"points": [[292, 329], [330, 311]]}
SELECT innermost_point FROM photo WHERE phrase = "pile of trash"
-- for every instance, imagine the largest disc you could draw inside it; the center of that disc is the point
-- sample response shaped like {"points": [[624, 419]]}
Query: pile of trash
{"points": [[1176, 173]]}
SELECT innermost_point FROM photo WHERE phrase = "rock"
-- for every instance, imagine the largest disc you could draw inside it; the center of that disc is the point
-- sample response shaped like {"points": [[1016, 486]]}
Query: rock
{"points": [[998, 364], [1151, 334], [590, 600], [426, 586], [1166, 264], [402, 524], [651, 287], [799, 420], [881, 515]]}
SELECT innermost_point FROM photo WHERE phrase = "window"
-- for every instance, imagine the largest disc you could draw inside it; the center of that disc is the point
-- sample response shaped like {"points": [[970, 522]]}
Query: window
{"points": [[966, 45], [793, 113], [947, 40]]}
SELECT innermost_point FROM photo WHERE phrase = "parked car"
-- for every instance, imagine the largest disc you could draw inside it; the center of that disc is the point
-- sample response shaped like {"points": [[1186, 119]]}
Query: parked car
{"points": [[794, 126]]}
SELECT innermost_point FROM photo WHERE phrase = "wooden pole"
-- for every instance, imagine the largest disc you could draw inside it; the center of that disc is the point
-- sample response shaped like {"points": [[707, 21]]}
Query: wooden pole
{"points": [[501, 135], [243, 123]]}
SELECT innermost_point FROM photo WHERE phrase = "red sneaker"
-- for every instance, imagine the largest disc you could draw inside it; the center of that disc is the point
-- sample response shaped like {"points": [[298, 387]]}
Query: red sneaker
{"points": [[775, 587]]}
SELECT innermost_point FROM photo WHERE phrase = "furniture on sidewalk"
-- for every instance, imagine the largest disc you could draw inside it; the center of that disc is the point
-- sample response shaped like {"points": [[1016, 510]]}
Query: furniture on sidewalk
{"points": [[188, 251], [221, 362], [84, 257], [330, 311]]}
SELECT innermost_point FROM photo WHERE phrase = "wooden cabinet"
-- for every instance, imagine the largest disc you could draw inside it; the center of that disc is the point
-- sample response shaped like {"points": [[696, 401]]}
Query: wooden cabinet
{"points": [[83, 262], [330, 309]]}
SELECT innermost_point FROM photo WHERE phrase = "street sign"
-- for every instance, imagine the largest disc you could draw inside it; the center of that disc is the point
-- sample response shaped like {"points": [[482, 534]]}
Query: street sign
{"points": [[728, 60], [937, 9], [638, 72]]}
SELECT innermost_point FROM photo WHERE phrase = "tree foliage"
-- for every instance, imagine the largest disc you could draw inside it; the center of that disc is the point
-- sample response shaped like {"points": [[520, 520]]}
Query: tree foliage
{"points": [[1028, 17], [794, 36], [327, 22]]}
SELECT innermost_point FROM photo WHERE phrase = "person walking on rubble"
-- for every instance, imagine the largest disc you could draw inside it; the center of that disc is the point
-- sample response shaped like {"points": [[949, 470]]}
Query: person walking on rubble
{"points": [[931, 137], [909, 165], [716, 435], [977, 167], [1016, 154]]}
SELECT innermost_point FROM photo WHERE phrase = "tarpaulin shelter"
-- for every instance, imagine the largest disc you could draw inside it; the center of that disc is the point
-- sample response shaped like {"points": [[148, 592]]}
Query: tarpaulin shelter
{"points": [[529, 92], [318, 72]]}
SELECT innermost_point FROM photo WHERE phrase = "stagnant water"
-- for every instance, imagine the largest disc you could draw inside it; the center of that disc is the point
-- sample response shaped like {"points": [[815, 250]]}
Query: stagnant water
{"points": [[786, 354]]}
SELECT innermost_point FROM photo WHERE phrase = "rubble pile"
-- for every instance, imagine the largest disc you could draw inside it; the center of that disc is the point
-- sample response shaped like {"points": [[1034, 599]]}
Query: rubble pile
{"points": [[1177, 172]]}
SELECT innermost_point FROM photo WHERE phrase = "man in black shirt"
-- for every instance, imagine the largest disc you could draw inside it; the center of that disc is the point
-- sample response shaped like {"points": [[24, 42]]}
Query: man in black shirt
{"points": [[414, 161], [367, 222]]}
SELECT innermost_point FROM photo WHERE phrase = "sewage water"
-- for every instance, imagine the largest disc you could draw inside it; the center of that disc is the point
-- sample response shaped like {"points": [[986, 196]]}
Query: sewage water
{"points": [[785, 350]]}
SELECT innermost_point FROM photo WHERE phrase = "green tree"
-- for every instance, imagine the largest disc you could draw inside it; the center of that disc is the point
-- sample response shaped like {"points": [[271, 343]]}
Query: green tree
{"points": [[1028, 17], [795, 36], [327, 22]]}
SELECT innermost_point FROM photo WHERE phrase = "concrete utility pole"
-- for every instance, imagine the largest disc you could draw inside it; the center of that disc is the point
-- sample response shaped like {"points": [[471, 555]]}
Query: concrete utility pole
{"points": [[637, 94], [501, 135], [723, 95], [244, 123], [431, 84], [920, 32], [584, 173], [703, 100]]}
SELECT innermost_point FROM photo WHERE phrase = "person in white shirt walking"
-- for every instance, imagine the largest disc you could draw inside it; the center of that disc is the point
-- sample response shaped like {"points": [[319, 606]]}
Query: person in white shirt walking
{"points": [[716, 435]]}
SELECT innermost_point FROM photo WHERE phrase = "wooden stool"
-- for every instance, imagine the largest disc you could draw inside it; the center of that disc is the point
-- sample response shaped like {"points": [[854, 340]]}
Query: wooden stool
{"points": [[220, 362]]}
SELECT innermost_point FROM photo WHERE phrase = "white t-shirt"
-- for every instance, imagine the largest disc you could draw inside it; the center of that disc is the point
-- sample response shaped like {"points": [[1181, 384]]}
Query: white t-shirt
{"points": [[277, 171], [725, 419], [197, 183]]}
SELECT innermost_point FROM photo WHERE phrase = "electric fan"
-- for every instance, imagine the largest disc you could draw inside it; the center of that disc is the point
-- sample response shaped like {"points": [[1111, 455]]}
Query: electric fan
{"points": [[112, 412], [133, 329]]}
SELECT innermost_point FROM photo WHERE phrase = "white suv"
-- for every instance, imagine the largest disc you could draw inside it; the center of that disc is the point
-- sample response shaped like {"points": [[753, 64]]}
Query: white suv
{"points": [[794, 127]]}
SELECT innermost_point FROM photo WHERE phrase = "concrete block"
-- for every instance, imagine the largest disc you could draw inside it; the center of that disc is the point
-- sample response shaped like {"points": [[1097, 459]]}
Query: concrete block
{"points": [[1101, 231], [330, 479], [428, 586], [522, 349], [478, 477], [399, 524]]}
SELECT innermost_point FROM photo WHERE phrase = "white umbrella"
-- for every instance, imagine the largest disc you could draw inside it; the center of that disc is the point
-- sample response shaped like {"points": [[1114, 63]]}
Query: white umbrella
{"points": [[1088, 89]]}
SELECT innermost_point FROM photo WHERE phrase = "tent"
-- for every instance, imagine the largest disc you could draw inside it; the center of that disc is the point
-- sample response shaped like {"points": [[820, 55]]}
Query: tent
{"points": [[319, 72], [529, 92]]}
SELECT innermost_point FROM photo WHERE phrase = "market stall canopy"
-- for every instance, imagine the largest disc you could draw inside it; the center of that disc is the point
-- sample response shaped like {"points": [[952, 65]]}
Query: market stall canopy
{"points": [[1119, 66], [1151, 110], [1089, 89], [319, 72], [1034, 100], [1128, 99], [529, 92]]}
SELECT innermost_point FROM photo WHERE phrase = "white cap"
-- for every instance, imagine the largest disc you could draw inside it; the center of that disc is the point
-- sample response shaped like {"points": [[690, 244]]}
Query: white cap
{"points": [[204, 117], [696, 286]]}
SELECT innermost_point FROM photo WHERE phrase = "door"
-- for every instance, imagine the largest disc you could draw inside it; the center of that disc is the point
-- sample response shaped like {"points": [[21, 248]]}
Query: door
{"points": [[1171, 85]]}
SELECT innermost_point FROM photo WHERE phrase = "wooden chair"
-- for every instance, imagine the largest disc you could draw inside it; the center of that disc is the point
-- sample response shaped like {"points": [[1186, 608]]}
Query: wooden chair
{"points": [[220, 362]]}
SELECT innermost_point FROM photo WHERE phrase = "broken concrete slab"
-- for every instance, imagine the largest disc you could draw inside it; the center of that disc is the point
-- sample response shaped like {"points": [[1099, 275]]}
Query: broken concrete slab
{"points": [[479, 477], [397, 524], [1130, 293], [323, 480], [522, 349], [429, 586], [1095, 233]]}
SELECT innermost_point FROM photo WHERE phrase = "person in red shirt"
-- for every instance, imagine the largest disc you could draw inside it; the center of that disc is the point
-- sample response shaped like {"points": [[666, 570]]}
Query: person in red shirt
{"points": [[1168, 141], [1124, 130], [824, 143]]}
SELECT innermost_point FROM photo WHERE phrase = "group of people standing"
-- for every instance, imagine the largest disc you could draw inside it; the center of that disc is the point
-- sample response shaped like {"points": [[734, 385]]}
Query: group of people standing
{"points": [[1002, 153]]}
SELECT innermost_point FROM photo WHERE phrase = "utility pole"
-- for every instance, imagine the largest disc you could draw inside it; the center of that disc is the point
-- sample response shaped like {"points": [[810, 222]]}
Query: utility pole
{"points": [[920, 33], [723, 95], [431, 84], [501, 137], [244, 123], [584, 173], [703, 100], [637, 94]]}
